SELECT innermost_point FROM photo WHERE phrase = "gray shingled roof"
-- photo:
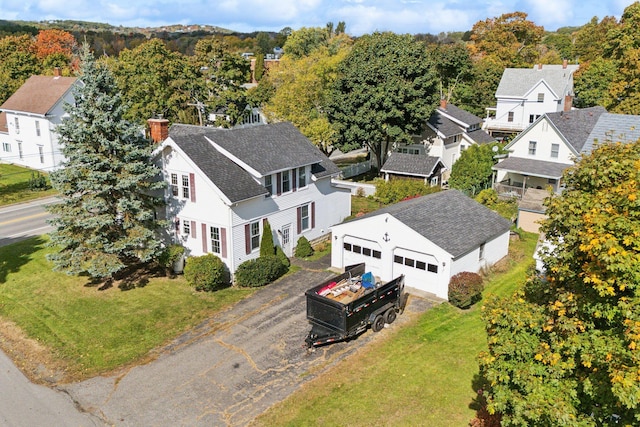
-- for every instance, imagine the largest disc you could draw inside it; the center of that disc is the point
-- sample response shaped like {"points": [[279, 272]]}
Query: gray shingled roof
{"points": [[444, 125], [451, 220], [39, 94], [234, 182], [460, 114], [410, 164], [480, 136], [532, 167], [269, 148], [576, 125], [613, 128], [517, 82], [280, 145]]}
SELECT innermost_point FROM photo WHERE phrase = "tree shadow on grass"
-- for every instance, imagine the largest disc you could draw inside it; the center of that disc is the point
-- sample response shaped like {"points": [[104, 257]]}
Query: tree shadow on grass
{"points": [[132, 277], [15, 253], [479, 403]]}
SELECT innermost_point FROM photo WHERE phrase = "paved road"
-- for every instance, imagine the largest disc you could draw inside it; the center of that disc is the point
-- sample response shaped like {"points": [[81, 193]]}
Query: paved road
{"points": [[230, 369], [25, 404], [24, 220]]}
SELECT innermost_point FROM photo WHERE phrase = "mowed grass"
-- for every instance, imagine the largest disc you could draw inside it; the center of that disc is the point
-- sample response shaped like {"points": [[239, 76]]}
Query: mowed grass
{"points": [[91, 330], [14, 185], [422, 374]]}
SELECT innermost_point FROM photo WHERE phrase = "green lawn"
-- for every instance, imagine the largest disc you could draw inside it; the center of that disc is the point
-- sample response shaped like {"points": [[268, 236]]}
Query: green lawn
{"points": [[14, 185], [422, 374], [93, 330]]}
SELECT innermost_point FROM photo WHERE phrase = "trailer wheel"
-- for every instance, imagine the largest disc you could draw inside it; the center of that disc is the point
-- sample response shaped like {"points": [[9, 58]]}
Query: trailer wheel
{"points": [[390, 316], [378, 323]]}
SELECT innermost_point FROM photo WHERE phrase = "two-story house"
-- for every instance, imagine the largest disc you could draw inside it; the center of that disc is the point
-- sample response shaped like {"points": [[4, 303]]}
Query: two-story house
{"points": [[29, 119], [223, 184], [524, 94], [539, 155], [448, 132]]}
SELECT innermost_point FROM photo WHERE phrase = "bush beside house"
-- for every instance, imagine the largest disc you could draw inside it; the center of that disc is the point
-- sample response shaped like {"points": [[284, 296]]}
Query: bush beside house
{"points": [[206, 273], [465, 289]]}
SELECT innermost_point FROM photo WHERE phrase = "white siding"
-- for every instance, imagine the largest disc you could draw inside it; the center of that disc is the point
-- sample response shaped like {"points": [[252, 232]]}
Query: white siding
{"points": [[544, 135]]}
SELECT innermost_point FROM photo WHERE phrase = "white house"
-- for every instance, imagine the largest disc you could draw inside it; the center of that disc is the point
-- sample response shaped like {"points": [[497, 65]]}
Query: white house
{"points": [[428, 239], [29, 119], [449, 131], [223, 184], [524, 94]]}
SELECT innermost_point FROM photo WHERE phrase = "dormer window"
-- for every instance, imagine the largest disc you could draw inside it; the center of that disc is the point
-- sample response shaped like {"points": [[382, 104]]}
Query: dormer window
{"points": [[286, 181]]}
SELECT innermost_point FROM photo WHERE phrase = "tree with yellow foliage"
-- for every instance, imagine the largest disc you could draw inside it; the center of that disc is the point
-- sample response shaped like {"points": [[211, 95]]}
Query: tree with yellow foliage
{"points": [[566, 349]]}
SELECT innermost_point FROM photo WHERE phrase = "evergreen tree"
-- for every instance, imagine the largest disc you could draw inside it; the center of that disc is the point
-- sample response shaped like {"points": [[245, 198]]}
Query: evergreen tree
{"points": [[266, 244], [106, 221]]}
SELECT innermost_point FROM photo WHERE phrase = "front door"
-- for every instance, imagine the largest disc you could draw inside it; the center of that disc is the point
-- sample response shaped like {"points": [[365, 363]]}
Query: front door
{"points": [[286, 239]]}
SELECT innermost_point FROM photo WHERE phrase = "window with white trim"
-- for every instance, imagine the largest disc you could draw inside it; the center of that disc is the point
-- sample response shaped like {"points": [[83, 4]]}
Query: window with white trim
{"points": [[555, 150], [174, 184], [41, 153], [186, 227], [481, 252], [304, 217], [286, 181], [302, 177], [541, 97], [510, 116], [16, 121], [215, 240], [532, 148], [20, 154], [185, 186], [37, 128], [268, 184], [255, 235], [6, 147]]}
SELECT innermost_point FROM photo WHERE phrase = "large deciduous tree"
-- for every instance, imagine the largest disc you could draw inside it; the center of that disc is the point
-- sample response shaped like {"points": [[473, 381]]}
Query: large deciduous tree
{"points": [[565, 350], [472, 171], [18, 62], [106, 219], [385, 91]]}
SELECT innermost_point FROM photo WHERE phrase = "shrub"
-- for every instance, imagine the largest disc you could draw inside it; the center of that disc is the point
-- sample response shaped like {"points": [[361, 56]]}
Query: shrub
{"points": [[283, 257], [266, 244], [487, 197], [393, 191], [303, 249], [206, 272], [38, 182], [465, 289], [171, 254], [259, 272]]}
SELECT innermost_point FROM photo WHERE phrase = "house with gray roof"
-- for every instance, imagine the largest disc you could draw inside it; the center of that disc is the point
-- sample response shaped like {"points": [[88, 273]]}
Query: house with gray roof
{"points": [[29, 118], [449, 131], [539, 155], [223, 185], [525, 94], [428, 239], [410, 166]]}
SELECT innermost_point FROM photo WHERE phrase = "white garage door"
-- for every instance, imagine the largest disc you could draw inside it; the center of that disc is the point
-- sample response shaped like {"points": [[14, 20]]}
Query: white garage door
{"points": [[356, 250], [420, 270]]}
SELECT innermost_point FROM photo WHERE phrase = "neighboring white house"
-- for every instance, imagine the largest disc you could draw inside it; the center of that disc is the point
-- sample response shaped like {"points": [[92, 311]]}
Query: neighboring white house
{"points": [[223, 184], [449, 131], [29, 119], [524, 94], [428, 239]]}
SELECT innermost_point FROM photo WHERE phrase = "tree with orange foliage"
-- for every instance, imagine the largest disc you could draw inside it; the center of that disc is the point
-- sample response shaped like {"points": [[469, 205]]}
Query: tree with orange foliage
{"points": [[53, 42]]}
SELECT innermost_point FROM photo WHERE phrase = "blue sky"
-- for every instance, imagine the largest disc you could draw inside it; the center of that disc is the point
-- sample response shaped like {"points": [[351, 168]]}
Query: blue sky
{"points": [[360, 16]]}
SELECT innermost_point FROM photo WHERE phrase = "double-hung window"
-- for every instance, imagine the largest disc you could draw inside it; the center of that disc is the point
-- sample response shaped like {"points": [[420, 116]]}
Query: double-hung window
{"points": [[174, 184], [37, 128], [302, 177], [185, 186], [186, 227], [304, 217], [555, 149], [541, 97], [532, 148], [255, 235], [286, 181], [268, 184], [215, 240]]}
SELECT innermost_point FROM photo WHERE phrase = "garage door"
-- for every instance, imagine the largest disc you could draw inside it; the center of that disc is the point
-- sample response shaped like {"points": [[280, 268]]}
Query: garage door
{"points": [[356, 250], [420, 270]]}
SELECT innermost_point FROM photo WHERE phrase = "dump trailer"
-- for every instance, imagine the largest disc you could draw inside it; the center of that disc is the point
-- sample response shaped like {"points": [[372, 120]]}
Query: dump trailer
{"points": [[347, 304]]}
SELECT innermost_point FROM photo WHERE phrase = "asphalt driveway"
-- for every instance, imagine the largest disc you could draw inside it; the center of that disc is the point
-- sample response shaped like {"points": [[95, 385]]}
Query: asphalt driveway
{"points": [[230, 369]]}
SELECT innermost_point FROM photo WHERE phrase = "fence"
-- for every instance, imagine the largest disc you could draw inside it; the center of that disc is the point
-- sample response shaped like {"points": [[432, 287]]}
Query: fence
{"points": [[356, 169]]}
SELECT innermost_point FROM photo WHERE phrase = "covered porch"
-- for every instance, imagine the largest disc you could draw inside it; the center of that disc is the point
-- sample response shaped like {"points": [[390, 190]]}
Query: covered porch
{"points": [[513, 175]]}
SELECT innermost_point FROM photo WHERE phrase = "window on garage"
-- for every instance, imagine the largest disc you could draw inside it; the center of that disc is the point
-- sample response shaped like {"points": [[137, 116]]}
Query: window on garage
{"points": [[377, 254], [421, 265], [357, 249], [398, 259], [409, 262], [347, 246], [432, 268], [366, 251]]}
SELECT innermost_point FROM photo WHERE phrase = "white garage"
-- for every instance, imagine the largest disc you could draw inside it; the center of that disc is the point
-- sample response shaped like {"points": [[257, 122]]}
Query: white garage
{"points": [[428, 239]]}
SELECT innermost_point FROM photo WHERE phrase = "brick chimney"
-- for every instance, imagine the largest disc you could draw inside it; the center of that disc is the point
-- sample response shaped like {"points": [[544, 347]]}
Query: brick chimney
{"points": [[564, 64], [540, 66], [443, 103], [57, 72], [568, 102], [158, 129]]}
